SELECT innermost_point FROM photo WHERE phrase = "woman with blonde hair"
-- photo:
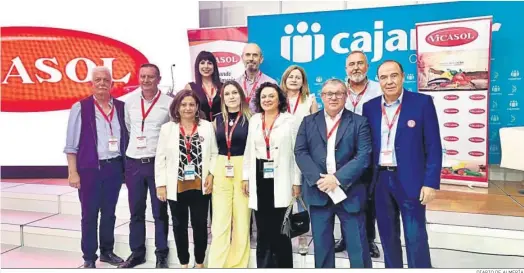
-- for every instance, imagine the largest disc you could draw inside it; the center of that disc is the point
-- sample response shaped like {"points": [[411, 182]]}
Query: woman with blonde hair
{"points": [[300, 101], [230, 246]]}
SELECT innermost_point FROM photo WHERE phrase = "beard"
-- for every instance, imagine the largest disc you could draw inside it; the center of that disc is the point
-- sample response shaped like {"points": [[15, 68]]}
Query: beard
{"points": [[357, 78]]}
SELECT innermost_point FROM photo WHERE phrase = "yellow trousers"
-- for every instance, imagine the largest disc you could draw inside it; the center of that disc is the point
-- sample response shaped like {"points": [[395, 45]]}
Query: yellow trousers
{"points": [[230, 245]]}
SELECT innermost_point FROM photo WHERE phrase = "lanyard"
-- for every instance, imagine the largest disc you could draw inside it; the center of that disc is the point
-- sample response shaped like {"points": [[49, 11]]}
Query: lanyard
{"points": [[355, 102], [109, 117], [144, 113], [296, 105], [333, 128], [390, 125], [266, 136], [257, 78], [210, 100], [229, 136], [187, 140]]}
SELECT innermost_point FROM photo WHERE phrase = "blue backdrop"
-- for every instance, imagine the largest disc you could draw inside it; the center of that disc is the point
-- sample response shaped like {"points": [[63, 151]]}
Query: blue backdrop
{"points": [[320, 41]]}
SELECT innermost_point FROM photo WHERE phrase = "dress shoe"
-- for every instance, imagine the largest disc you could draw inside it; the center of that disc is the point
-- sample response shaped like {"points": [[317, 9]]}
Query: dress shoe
{"points": [[161, 262], [111, 258], [132, 261], [340, 246], [373, 250], [89, 265]]}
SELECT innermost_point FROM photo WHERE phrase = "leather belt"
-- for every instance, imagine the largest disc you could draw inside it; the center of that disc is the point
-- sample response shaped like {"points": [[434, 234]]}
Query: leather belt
{"points": [[110, 160], [143, 160], [387, 168]]}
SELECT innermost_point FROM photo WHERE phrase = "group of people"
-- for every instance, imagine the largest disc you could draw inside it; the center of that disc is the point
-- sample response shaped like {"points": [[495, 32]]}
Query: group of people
{"points": [[225, 149]]}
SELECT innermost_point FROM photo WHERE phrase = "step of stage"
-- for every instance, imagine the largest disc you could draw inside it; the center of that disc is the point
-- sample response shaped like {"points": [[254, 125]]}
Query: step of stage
{"points": [[34, 197]]}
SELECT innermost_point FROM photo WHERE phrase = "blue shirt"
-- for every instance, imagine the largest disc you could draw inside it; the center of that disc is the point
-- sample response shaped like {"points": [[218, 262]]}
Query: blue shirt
{"points": [[103, 132], [391, 109]]}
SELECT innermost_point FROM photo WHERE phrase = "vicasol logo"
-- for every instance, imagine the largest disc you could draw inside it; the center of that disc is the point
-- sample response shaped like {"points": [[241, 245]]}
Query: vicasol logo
{"points": [[476, 153], [451, 138], [451, 125], [452, 36], [451, 97], [47, 69], [225, 59], [451, 111], [476, 139], [477, 125], [477, 97], [477, 111], [452, 152]]}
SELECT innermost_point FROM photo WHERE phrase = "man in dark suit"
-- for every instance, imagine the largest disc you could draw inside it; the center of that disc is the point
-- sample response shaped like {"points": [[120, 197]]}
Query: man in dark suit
{"points": [[333, 148], [407, 160]]}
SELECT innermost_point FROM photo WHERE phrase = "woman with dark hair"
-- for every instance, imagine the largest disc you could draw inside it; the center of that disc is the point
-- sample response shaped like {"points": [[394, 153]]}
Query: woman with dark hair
{"points": [[230, 247], [206, 84], [270, 174], [185, 159]]}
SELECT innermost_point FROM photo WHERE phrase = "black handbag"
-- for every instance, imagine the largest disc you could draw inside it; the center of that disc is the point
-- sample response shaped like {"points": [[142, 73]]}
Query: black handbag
{"points": [[295, 224]]}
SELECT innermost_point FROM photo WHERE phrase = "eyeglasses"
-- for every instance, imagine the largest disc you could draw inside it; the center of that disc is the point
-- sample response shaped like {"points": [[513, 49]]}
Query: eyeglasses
{"points": [[330, 95]]}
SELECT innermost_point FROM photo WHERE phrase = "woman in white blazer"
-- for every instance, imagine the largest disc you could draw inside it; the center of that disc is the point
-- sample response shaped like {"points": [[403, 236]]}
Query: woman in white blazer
{"points": [[185, 157], [271, 176]]}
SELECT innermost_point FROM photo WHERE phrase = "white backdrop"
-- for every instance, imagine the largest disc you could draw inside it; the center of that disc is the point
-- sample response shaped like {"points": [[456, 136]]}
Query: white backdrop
{"points": [[158, 29]]}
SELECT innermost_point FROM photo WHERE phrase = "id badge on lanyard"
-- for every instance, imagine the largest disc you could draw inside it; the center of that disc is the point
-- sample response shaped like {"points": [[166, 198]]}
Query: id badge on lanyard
{"points": [[386, 152], [189, 172], [269, 170], [141, 142], [113, 144], [230, 170]]}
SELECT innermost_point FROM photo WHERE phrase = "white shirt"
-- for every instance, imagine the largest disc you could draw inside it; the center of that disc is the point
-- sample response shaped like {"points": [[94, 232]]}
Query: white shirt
{"points": [[373, 90], [303, 108], [384, 130], [331, 163], [260, 142], [158, 116]]}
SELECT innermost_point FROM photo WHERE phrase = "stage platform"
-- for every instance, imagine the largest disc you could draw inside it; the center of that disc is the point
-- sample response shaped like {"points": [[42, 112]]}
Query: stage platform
{"points": [[468, 227]]}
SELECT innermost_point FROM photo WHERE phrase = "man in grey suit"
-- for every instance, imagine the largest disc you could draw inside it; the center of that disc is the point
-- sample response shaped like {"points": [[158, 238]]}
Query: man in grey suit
{"points": [[333, 148]]}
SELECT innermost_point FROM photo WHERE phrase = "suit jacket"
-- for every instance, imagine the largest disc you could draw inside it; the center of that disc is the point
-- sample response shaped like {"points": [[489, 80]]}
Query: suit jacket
{"points": [[418, 149], [168, 155], [352, 156], [287, 173]]}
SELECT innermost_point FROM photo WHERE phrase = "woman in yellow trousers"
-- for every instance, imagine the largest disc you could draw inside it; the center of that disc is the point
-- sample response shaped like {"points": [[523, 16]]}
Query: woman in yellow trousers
{"points": [[230, 245]]}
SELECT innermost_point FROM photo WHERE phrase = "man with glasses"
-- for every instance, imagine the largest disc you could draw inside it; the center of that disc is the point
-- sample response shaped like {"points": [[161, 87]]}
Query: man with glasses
{"points": [[407, 160], [146, 111], [361, 90], [332, 150]]}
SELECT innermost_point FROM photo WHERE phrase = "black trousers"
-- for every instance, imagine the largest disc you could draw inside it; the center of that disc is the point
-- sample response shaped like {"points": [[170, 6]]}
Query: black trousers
{"points": [[194, 202], [273, 249]]}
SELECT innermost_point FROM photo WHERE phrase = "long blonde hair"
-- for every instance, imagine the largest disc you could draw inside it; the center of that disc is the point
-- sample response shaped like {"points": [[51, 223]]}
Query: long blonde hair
{"points": [[304, 90], [244, 106]]}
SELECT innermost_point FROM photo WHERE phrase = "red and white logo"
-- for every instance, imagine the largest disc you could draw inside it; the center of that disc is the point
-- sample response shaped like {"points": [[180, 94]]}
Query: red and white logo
{"points": [[476, 153], [452, 152], [451, 111], [477, 125], [451, 97], [477, 111], [48, 69], [452, 36], [451, 138], [477, 97], [225, 59], [476, 139], [451, 125]]}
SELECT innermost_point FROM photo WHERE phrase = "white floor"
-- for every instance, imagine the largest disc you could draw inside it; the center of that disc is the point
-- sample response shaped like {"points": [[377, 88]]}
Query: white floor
{"points": [[40, 228]]}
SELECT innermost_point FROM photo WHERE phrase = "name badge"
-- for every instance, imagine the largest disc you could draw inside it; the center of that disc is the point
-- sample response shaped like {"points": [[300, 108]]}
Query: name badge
{"points": [[113, 144], [386, 158], [269, 170], [230, 171], [141, 142], [189, 172]]}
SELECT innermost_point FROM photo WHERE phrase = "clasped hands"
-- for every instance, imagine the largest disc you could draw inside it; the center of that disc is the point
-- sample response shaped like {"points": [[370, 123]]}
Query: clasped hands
{"points": [[327, 183]]}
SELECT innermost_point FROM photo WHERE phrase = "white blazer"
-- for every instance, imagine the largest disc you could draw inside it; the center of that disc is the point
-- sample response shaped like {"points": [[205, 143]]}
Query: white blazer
{"points": [[168, 155], [287, 173]]}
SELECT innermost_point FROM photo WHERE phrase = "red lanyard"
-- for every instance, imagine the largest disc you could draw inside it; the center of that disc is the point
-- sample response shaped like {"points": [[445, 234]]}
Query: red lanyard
{"points": [[296, 105], [144, 113], [229, 136], [106, 117], [257, 78], [187, 140], [333, 128], [359, 96], [210, 100], [266, 136], [390, 125]]}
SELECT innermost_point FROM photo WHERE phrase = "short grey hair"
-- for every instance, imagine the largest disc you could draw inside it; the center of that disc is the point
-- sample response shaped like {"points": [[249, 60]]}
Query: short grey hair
{"points": [[101, 69], [336, 81], [358, 52]]}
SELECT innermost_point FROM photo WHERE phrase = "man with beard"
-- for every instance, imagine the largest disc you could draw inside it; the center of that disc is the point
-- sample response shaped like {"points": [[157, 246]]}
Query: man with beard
{"points": [[252, 77], [361, 90]]}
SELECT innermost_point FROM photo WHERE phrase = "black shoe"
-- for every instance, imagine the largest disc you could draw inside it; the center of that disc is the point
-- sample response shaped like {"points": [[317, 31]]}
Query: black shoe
{"points": [[111, 258], [89, 265], [161, 262], [373, 250], [132, 261], [340, 246]]}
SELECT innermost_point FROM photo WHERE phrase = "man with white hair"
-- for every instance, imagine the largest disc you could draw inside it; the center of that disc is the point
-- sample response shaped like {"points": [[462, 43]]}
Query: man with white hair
{"points": [[361, 90], [96, 141]]}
